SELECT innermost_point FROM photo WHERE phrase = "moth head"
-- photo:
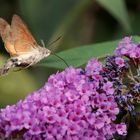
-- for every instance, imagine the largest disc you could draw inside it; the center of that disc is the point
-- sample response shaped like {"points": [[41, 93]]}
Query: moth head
{"points": [[47, 52]]}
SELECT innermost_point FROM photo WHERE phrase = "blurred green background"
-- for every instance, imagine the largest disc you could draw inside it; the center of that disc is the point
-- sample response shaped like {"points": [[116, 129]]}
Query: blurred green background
{"points": [[79, 22]]}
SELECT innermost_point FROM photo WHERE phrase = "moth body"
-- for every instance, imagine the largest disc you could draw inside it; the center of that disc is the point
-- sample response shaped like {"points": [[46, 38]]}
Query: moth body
{"points": [[25, 60], [31, 58]]}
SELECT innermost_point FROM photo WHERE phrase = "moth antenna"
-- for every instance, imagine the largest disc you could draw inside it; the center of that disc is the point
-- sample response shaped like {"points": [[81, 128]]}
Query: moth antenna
{"points": [[61, 59], [47, 46], [43, 44]]}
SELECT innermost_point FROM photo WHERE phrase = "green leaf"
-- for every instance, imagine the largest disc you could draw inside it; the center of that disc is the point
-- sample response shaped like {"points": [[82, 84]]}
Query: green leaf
{"points": [[136, 39], [118, 10], [80, 55]]}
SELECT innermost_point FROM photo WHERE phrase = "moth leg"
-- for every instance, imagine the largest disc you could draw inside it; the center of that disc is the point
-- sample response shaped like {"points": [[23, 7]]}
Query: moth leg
{"points": [[29, 64], [25, 67], [8, 65]]}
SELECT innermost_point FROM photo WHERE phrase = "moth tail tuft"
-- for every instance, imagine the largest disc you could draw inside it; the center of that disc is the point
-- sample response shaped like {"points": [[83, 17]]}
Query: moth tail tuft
{"points": [[4, 71]]}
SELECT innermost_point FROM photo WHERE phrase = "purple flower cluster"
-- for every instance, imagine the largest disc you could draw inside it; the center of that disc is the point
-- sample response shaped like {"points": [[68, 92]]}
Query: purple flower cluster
{"points": [[128, 53], [74, 104], [126, 47], [129, 49]]}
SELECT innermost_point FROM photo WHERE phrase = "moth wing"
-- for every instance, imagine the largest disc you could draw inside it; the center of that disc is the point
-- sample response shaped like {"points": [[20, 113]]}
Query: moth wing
{"points": [[23, 40], [3, 24], [5, 32], [23, 47]]}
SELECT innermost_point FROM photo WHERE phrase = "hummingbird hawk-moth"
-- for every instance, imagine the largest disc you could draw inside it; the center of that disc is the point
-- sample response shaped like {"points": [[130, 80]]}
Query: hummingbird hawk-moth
{"points": [[20, 44]]}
